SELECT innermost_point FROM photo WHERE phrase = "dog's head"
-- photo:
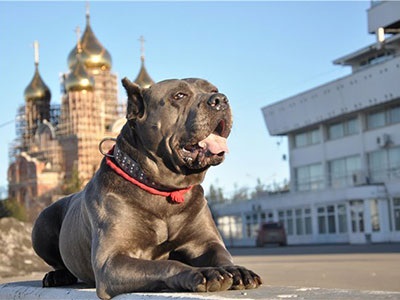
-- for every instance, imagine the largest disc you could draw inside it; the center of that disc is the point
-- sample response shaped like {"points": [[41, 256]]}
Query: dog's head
{"points": [[181, 124]]}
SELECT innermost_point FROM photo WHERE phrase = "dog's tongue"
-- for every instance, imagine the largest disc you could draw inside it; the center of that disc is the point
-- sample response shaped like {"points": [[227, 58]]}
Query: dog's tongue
{"points": [[214, 143]]}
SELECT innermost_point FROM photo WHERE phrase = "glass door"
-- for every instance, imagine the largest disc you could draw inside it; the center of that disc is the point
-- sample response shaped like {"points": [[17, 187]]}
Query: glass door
{"points": [[357, 222]]}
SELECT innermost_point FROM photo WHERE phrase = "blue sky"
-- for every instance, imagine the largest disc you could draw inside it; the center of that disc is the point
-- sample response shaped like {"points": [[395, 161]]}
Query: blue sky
{"points": [[257, 53]]}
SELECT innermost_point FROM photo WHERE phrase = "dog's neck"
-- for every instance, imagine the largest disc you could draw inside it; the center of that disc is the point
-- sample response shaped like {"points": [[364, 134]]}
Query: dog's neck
{"points": [[129, 169]]}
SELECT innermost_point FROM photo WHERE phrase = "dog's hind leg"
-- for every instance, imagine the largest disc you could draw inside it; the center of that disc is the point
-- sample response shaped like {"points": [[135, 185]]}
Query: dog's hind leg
{"points": [[45, 242], [59, 278]]}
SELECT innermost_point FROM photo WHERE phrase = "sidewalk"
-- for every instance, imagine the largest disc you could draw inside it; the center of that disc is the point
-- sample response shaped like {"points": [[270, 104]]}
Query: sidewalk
{"points": [[31, 290]]}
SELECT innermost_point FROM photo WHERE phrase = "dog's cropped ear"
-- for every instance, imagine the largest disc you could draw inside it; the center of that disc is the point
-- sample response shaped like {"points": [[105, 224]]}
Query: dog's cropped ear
{"points": [[135, 99]]}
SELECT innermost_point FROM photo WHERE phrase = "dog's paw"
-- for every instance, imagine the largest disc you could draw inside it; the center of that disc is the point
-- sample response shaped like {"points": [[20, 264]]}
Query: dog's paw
{"points": [[243, 278], [58, 278], [211, 280]]}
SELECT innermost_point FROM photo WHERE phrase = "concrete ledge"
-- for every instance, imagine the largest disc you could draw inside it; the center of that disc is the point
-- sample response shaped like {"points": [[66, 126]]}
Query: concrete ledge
{"points": [[30, 290]]}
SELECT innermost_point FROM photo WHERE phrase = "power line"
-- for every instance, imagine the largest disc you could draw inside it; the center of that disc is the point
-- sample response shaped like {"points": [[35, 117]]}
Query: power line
{"points": [[6, 123]]}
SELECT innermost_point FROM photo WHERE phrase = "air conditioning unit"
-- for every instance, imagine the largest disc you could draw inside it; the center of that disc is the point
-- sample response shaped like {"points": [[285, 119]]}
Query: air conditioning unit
{"points": [[383, 140]]}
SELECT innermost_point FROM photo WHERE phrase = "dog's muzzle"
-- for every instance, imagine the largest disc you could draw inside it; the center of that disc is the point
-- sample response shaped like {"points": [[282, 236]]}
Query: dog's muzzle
{"points": [[218, 102]]}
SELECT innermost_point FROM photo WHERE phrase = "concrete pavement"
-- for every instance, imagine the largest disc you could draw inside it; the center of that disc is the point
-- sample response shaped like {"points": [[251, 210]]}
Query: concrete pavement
{"points": [[354, 267], [30, 290], [301, 272]]}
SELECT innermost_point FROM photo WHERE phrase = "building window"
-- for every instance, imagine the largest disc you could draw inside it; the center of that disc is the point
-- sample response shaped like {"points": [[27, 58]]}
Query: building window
{"points": [[296, 221], [321, 220], [342, 218], [384, 164], [357, 216], [309, 178], [396, 209], [252, 225], [374, 210], [342, 129], [307, 221], [384, 117], [332, 219], [286, 218], [289, 221], [345, 171], [230, 227], [307, 138], [299, 222]]}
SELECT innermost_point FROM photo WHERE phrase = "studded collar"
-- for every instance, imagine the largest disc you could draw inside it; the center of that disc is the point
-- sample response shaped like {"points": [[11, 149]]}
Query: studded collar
{"points": [[130, 170]]}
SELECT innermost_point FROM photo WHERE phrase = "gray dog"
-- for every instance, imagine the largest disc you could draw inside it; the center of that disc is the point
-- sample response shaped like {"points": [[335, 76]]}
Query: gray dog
{"points": [[142, 223]]}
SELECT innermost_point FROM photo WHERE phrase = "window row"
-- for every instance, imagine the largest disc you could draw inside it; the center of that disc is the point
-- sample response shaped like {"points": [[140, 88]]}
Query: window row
{"points": [[382, 165], [328, 219], [296, 221], [351, 126]]}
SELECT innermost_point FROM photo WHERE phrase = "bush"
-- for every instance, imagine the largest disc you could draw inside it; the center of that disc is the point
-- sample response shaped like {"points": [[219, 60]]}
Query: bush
{"points": [[11, 208]]}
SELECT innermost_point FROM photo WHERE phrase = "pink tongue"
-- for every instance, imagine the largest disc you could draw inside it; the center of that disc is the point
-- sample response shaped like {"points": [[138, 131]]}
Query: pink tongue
{"points": [[214, 143]]}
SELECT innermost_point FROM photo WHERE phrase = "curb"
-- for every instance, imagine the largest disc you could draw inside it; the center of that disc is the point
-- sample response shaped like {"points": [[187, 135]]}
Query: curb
{"points": [[31, 290]]}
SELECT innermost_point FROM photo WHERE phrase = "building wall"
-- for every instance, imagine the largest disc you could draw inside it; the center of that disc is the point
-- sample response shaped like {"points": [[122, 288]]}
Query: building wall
{"points": [[344, 154], [364, 89]]}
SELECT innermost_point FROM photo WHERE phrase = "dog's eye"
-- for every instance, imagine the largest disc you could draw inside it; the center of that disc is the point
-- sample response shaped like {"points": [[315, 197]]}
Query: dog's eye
{"points": [[179, 96]]}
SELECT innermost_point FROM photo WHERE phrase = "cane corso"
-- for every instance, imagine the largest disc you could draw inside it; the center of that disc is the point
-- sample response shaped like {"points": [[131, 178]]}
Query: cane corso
{"points": [[142, 222]]}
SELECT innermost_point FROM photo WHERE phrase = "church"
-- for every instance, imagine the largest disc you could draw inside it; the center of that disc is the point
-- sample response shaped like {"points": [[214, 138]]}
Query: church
{"points": [[57, 145]]}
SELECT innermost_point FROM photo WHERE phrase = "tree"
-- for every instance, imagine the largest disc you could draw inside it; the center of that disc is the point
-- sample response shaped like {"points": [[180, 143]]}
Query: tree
{"points": [[4, 212], [215, 195], [12, 208], [240, 194]]}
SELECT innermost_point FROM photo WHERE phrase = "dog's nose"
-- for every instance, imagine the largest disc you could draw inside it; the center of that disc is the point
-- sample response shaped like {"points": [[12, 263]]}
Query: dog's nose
{"points": [[218, 102]]}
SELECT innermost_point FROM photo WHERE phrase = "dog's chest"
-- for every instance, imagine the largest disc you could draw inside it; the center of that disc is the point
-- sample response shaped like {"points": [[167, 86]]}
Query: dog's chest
{"points": [[161, 233]]}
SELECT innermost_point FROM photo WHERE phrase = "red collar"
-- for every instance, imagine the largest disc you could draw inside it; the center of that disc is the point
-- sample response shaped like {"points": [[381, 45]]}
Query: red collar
{"points": [[176, 196]]}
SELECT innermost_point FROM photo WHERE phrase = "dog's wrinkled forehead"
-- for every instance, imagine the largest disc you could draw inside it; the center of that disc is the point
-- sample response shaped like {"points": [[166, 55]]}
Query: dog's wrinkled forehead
{"points": [[194, 85]]}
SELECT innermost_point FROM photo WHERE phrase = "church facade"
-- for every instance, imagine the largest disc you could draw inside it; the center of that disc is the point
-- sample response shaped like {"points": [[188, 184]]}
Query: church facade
{"points": [[59, 144]]}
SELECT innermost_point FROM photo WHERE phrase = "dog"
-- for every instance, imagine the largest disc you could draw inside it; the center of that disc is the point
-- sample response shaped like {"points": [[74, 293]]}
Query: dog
{"points": [[142, 222]]}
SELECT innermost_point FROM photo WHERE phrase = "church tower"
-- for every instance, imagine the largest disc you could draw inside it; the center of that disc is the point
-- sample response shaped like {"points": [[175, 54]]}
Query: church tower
{"points": [[143, 79], [89, 104], [37, 102]]}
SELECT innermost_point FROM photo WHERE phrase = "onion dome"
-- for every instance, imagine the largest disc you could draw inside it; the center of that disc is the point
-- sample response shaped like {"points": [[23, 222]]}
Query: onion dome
{"points": [[93, 55], [37, 89], [78, 79], [143, 79]]}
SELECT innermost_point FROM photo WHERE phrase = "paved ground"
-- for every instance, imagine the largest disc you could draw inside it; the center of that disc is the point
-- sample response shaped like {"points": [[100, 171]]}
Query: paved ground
{"points": [[360, 267], [309, 272]]}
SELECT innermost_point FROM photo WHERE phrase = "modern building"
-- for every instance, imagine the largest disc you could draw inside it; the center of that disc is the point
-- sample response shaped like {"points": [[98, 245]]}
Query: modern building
{"points": [[344, 152], [56, 142]]}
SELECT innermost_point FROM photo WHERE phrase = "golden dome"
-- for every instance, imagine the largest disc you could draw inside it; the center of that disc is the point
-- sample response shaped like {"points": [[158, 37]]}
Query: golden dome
{"points": [[78, 79], [93, 54], [37, 89], [143, 79]]}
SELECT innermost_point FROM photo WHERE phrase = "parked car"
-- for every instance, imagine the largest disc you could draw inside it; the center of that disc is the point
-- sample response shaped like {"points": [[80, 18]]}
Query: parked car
{"points": [[271, 233]]}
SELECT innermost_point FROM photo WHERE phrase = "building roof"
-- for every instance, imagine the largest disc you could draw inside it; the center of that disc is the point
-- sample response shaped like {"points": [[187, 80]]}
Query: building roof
{"points": [[93, 55], [143, 79], [37, 89], [358, 91], [78, 79], [372, 50]]}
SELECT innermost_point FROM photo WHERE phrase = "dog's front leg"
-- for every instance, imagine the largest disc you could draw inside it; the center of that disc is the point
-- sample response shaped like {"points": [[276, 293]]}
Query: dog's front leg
{"points": [[216, 255], [121, 273]]}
